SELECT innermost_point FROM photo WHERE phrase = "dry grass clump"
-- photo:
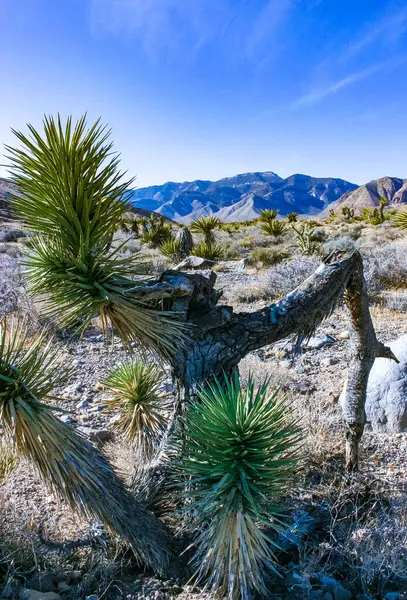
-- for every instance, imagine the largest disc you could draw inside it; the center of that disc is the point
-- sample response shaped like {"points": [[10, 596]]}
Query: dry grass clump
{"points": [[386, 267], [286, 276], [266, 257]]}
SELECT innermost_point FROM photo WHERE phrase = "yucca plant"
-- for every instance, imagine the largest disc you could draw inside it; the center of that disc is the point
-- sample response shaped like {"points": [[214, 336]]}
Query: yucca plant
{"points": [[141, 408], [240, 452], [209, 251], [268, 215], [400, 219], [75, 470], [274, 228], [171, 248], [156, 231], [184, 237], [8, 460], [307, 241], [348, 213], [206, 226], [73, 198], [292, 217]]}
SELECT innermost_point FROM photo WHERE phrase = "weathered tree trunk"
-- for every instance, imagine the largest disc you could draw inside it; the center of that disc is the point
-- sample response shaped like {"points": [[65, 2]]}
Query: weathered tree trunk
{"points": [[220, 338]]}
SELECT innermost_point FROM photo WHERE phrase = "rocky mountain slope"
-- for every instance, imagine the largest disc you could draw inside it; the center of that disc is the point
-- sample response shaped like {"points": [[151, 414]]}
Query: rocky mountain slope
{"points": [[241, 197], [392, 188]]}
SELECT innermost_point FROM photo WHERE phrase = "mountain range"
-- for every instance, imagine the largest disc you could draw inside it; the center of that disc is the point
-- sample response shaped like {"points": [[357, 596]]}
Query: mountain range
{"points": [[240, 198], [368, 195]]}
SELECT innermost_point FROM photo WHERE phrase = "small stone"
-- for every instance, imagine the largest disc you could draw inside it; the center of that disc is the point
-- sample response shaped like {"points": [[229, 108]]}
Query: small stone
{"points": [[285, 363], [392, 596], [344, 335], [7, 592], [241, 265], [328, 361], [99, 387], [82, 403], [66, 419], [96, 435], [92, 597], [28, 594], [63, 586], [319, 341]]}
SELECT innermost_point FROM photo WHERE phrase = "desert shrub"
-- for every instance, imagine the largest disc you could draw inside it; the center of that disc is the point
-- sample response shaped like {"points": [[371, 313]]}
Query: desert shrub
{"points": [[274, 228], [307, 241], [352, 230], [138, 403], [231, 250], [208, 251], [284, 277], [341, 242], [386, 267], [206, 227], [266, 257], [239, 455], [246, 293], [171, 248], [13, 293], [397, 302]]}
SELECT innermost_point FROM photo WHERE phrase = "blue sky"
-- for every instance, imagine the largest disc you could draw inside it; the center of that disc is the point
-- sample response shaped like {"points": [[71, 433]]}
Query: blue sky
{"points": [[210, 88]]}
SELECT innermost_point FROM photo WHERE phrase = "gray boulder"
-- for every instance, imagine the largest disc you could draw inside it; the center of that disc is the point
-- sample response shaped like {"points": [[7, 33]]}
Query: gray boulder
{"points": [[386, 399], [195, 262]]}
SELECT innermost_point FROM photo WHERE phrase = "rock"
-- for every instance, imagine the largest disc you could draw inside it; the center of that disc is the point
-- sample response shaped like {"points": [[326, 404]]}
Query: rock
{"points": [[386, 397], [7, 592], [297, 582], [92, 597], [82, 403], [63, 586], [195, 262], [392, 596], [328, 584], [28, 594], [66, 419], [241, 265], [285, 363], [344, 335], [319, 341], [328, 361], [96, 435], [45, 581]]}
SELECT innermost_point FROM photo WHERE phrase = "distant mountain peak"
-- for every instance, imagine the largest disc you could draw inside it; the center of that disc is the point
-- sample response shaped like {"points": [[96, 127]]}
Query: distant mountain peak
{"points": [[242, 196]]}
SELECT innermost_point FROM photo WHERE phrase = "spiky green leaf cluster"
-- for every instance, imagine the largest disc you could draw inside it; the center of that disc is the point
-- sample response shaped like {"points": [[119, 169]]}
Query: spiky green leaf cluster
{"points": [[268, 215], [274, 228], [171, 248], [72, 196], [400, 219], [140, 406], [75, 470], [206, 227], [210, 251], [239, 455]]}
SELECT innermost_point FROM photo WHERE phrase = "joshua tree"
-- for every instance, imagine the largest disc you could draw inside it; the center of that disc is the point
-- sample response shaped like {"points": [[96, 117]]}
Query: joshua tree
{"points": [[268, 214], [348, 213], [306, 239], [72, 265], [206, 226], [292, 217], [382, 203]]}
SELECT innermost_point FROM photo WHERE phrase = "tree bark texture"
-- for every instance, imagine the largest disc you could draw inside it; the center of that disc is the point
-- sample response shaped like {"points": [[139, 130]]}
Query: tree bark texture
{"points": [[220, 338]]}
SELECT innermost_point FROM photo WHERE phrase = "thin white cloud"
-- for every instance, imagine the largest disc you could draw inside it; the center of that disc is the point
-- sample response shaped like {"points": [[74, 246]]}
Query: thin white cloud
{"points": [[266, 24], [316, 95]]}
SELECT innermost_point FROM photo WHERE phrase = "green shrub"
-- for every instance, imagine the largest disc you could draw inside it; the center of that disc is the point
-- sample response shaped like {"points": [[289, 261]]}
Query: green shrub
{"points": [[268, 256], [240, 452], [171, 248], [138, 403], [273, 227], [208, 251]]}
